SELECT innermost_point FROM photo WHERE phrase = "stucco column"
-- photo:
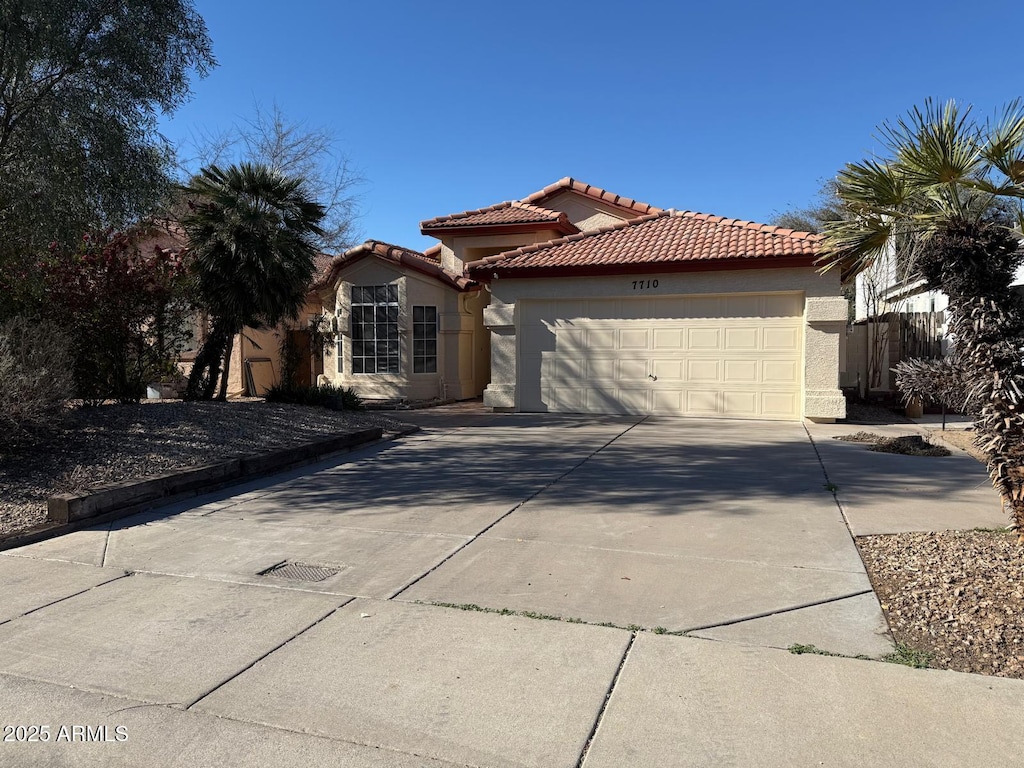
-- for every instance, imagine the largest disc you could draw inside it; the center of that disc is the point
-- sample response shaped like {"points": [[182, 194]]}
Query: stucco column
{"points": [[825, 328], [500, 394]]}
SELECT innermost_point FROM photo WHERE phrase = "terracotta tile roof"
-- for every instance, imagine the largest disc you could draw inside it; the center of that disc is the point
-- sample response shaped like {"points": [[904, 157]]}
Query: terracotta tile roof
{"points": [[397, 255], [665, 240], [508, 212], [511, 215], [570, 184]]}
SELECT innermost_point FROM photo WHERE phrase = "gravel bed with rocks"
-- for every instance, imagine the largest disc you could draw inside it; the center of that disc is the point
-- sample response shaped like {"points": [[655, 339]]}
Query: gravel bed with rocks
{"points": [[959, 438], [956, 595], [126, 442]]}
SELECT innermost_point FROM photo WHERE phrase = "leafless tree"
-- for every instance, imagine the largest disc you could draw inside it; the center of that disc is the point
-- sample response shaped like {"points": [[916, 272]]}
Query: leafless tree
{"points": [[296, 149]]}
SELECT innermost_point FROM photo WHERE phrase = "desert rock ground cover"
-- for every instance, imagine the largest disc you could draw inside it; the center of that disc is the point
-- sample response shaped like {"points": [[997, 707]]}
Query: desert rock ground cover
{"points": [[955, 596], [124, 442]]}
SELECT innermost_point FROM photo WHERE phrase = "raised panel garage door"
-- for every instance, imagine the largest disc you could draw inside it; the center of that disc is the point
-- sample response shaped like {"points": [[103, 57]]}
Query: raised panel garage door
{"points": [[737, 356]]}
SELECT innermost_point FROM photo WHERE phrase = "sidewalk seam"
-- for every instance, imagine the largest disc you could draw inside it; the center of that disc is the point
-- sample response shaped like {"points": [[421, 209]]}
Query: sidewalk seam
{"points": [[124, 574], [766, 614], [260, 658], [607, 699], [528, 499]]}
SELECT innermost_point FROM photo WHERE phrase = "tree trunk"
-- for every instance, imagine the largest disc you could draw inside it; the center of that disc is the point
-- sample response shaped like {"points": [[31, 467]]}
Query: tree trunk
{"points": [[973, 263], [226, 368], [990, 332], [202, 380]]}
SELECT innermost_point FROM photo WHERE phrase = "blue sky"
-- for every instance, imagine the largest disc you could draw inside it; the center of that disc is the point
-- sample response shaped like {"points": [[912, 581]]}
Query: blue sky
{"points": [[734, 108]]}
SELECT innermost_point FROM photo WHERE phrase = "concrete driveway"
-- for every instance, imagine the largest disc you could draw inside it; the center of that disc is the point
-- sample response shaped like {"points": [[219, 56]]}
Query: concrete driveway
{"points": [[683, 556]]}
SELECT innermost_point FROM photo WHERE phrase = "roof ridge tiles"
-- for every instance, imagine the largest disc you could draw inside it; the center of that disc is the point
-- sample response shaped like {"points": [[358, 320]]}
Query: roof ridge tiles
{"points": [[769, 229], [575, 185], [454, 218]]}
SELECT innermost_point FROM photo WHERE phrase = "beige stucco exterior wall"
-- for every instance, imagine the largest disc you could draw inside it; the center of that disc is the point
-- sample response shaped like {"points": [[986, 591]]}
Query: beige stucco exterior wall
{"points": [[824, 315], [459, 331], [585, 212], [264, 343], [457, 251]]}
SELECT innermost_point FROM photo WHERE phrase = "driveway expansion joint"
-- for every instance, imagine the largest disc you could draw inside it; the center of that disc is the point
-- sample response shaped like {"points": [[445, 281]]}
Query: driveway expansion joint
{"points": [[529, 498], [604, 704], [258, 659], [790, 609]]}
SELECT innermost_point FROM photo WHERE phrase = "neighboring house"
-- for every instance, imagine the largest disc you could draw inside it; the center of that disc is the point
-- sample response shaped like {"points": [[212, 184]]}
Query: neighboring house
{"points": [[574, 299], [895, 320], [256, 352]]}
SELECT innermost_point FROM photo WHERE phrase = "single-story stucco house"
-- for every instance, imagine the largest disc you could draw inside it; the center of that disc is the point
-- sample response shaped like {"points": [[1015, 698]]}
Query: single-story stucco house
{"points": [[574, 299]]}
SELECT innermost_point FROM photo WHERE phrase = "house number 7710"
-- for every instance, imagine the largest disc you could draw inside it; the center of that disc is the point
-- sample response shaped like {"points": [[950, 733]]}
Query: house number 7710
{"points": [[641, 285]]}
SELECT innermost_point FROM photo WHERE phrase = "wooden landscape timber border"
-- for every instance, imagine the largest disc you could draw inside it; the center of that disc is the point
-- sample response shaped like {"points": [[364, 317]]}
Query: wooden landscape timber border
{"points": [[68, 512]]}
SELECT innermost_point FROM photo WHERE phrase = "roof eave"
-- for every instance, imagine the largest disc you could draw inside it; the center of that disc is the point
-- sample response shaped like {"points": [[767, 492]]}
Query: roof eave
{"points": [[480, 230], [488, 272]]}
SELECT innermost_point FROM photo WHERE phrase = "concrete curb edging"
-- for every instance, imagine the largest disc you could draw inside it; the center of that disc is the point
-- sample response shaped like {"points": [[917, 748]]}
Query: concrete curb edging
{"points": [[68, 512]]}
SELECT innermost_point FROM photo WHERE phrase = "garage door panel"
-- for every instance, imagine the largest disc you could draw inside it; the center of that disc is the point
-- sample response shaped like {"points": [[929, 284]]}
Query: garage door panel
{"points": [[632, 370], [634, 338], [571, 340], [561, 372], [736, 356], [702, 402], [634, 400], [668, 339], [781, 339], [667, 370], [744, 306], [703, 370], [742, 403], [668, 401], [601, 368], [703, 338], [743, 339], [740, 372], [779, 404], [701, 307], [601, 338], [783, 305], [784, 372]]}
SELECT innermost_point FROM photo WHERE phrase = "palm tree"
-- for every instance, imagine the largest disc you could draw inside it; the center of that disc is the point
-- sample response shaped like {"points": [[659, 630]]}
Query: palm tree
{"points": [[251, 232], [945, 205]]}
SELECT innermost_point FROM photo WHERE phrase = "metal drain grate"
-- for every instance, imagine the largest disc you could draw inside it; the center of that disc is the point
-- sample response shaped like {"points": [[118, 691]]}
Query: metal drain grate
{"points": [[290, 569]]}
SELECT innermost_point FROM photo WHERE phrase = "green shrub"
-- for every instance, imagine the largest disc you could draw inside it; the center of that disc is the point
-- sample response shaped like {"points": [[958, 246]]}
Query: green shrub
{"points": [[327, 396], [35, 379]]}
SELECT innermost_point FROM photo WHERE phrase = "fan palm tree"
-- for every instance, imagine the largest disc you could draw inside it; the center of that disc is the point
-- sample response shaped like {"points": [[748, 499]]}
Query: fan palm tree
{"points": [[251, 232], [945, 207]]}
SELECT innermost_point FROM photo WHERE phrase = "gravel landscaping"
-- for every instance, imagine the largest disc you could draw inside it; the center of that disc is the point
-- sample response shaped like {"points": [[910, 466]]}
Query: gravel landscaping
{"points": [[957, 597], [128, 442]]}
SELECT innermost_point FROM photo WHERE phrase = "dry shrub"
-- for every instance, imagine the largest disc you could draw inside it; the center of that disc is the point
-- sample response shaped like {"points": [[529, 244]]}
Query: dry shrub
{"points": [[35, 379]]}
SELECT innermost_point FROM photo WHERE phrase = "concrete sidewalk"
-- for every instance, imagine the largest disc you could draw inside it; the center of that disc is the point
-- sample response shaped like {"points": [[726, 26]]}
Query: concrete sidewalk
{"points": [[432, 639]]}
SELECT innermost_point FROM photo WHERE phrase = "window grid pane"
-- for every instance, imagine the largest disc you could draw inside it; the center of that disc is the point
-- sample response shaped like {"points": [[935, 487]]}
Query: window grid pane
{"points": [[375, 342], [424, 340]]}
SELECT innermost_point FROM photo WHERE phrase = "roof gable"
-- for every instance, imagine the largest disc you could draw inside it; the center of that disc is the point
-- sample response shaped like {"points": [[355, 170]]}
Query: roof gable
{"points": [[398, 255]]}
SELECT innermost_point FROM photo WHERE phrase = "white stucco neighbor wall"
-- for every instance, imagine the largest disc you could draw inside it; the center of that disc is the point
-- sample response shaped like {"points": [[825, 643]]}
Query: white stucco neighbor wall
{"points": [[825, 321]]}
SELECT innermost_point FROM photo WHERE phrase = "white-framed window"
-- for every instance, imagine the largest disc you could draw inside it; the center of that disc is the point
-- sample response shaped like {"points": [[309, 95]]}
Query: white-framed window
{"points": [[424, 339], [375, 342]]}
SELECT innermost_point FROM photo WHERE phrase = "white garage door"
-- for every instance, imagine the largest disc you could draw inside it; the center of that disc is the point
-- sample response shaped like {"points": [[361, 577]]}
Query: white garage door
{"points": [[736, 356]]}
